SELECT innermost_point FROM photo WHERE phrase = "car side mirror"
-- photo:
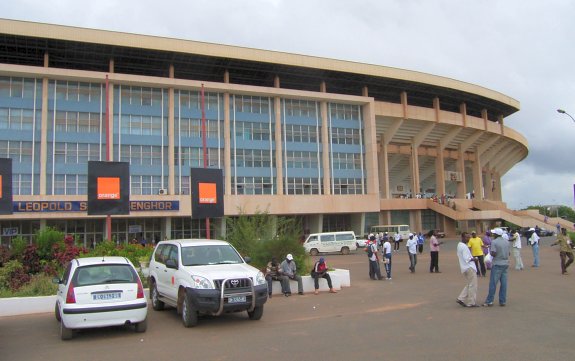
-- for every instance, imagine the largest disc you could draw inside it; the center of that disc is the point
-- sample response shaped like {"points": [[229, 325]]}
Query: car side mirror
{"points": [[247, 259], [56, 280], [171, 264]]}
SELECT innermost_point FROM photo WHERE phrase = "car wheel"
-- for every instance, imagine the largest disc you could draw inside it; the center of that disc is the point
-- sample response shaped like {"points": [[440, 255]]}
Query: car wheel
{"points": [[65, 332], [257, 313], [57, 312], [142, 326], [157, 305], [313, 252], [189, 313], [344, 250]]}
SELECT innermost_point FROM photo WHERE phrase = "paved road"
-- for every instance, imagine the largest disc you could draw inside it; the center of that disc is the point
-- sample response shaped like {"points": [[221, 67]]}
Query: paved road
{"points": [[412, 317]]}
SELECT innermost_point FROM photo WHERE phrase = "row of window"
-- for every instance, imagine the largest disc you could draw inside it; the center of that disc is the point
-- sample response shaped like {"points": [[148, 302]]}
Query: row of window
{"points": [[253, 158], [346, 161], [253, 185], [77, 153], [19, 151], [300, 159], [254, 131], [78, 122], [192, 128], [300, 108], [17, 87], [193, 100], [193, 157], [140, 96], [79, 92], [251, 104], [301, 133], [17, 119], [142, 125]]}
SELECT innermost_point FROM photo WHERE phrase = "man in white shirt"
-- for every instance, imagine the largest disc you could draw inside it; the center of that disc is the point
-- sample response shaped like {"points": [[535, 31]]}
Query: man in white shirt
{"points": [[386, 253], [396, 240], [468, 296], [517, 251], [412, 251], [534, 241]]}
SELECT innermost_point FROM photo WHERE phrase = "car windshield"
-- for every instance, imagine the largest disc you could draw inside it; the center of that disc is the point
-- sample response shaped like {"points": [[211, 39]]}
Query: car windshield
{"points": [[210, 255], [104, 273]]}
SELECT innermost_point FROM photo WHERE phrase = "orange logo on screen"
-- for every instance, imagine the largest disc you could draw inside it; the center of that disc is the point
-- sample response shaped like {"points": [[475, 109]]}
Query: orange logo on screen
{"points": [[208, 193], [108, 187]]}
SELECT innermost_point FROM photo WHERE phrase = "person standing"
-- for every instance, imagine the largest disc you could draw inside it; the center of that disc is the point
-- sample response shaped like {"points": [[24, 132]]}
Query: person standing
{"points": [[534, 241], [374, 269], [420, 242], [434, 252], [412, 252], [500, 253], [468, 296], [320, 271], [396, 240], [486, 243], [386, 253], [558, 226], [565, 250], [517, 250], [475, 245], [288, 268]]}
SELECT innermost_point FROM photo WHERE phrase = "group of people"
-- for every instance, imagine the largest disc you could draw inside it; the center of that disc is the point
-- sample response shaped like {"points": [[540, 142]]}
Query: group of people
{"points": [[414, 245], [471, 254], [287, 270]]}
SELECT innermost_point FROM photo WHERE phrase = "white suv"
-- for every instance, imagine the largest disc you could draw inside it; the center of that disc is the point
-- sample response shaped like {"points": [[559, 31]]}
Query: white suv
{"points": [[205, 276]]}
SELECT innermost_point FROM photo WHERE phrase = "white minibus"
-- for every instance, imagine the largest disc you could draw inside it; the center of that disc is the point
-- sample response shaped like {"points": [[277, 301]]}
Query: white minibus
{"points": [[343, 242]]}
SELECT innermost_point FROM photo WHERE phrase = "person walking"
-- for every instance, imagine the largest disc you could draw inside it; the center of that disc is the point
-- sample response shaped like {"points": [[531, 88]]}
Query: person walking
{"points": [[500, 253], [565, 250], [517, 250], [468, 296], [412, 252], [396, 240], [420, 242], [534, 242], [475, 245], [434, 252]]}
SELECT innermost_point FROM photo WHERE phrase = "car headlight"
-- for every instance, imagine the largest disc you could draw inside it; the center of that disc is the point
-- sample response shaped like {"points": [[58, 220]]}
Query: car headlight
{"points": [[201, 282], [260, 279]]}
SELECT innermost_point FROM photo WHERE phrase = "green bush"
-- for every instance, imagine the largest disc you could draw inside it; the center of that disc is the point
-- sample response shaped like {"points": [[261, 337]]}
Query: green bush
{"points": [[18, 245], [134, 252], [39, 285], [46, 238]]}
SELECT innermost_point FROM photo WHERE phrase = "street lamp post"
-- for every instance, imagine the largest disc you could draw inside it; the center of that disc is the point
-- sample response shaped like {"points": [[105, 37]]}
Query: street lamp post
{"points": [[561, 111]]}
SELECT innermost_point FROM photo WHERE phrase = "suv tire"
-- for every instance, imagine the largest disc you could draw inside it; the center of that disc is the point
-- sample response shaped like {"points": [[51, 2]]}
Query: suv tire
{"points": [[314, 252], [57, 313], [257, 313], [189, 313], [344, 250], [157, 305]]}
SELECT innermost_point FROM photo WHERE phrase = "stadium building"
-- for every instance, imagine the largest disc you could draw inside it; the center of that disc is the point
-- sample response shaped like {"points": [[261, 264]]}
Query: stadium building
{"points": [[339, 144]]}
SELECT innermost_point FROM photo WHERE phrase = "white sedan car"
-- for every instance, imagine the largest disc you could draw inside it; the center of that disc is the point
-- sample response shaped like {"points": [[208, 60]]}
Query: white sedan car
{"points": [[100, 292]]}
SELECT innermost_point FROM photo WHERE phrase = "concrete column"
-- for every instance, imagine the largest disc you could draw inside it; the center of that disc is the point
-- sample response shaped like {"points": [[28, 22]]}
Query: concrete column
{"points": [[460, 166], [497, 185], [414, 170], [439, 173], [167, 228], [477, 176], [417, 225], [278, 140], [358, 223], [383, 169], [171, 140], [227, 139], [325, 140], [489, 184], [44, 134]]}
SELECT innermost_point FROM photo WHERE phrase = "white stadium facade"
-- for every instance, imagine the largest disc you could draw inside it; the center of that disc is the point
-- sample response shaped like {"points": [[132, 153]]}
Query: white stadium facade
{"points": [[340, 145]]}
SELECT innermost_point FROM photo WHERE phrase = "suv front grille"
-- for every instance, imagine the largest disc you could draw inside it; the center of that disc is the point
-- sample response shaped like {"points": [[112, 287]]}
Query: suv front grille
{"points": [[234, 284]]}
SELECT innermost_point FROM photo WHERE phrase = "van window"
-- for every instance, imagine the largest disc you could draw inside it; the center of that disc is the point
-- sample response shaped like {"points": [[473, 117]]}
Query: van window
{"points": [[344, 237], [327, 238], [403, 228], [312, 239]]}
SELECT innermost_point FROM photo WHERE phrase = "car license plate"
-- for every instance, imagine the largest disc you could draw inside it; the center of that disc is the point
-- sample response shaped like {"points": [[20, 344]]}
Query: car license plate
{"points": [[237, 299], [106, 296]]}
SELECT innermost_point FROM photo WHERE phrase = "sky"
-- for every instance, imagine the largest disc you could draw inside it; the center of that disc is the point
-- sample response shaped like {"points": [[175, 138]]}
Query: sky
{"points": [[521, 48]]}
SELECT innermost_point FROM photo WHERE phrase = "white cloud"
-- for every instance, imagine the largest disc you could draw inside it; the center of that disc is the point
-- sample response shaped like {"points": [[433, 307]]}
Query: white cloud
{"points": [[520, 48]]}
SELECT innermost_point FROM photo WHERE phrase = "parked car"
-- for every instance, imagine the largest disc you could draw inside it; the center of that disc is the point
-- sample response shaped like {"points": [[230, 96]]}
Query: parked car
{"points": [[100, 292], [360, 242], [200, 276], [545, 232]]}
